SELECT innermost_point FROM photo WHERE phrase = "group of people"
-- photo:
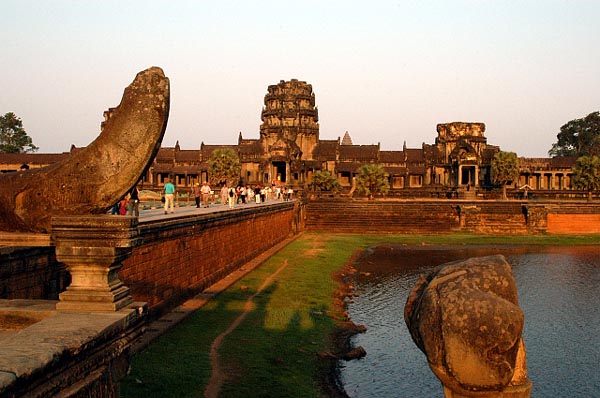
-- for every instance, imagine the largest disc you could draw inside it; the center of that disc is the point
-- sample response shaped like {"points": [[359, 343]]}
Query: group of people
{"points": [[245, 194], [129, 204], [201, 193]]}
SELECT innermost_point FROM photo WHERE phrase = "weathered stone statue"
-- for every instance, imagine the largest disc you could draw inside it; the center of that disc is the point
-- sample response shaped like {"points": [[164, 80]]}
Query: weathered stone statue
{"points": [[466, 318], [92, 179]]}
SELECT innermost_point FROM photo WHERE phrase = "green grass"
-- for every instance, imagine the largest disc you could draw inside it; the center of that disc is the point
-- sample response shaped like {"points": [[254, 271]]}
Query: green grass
{"points": [[273, 353]]}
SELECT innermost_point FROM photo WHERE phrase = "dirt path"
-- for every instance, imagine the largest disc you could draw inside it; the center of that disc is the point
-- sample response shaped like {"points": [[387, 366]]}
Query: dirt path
{"points": [[218, 376]]}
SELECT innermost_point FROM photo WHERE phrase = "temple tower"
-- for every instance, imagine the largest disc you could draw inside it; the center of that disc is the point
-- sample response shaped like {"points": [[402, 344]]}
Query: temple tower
{"points": [[462, 146], [289, 131]]}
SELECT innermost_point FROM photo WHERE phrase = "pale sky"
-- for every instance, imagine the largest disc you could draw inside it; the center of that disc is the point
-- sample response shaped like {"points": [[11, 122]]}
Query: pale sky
{"points": [[385, 71]]}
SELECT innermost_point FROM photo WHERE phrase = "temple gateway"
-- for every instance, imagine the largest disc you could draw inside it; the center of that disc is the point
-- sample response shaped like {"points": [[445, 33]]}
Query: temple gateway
{"points": [[289, 150]]}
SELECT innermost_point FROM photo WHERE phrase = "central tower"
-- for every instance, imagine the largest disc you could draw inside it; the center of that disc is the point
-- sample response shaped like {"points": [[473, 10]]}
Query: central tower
{"points": [[290, 130]]}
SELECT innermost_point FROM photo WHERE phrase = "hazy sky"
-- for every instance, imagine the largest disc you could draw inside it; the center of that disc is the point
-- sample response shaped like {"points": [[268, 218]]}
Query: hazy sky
{"points": [[385, 71]]}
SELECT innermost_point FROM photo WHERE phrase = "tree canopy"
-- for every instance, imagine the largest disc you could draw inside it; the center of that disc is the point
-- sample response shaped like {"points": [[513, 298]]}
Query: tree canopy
{"points": [[224, 167], [579, 137], [322, 180], [586, 174], [505, 168], [13, 138], [371, 180]]}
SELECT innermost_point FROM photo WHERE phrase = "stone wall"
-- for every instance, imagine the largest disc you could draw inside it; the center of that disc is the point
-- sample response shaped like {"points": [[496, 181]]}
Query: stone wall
{"points": [[180, 257], [447, 216], [574, 219], [31, 273]]}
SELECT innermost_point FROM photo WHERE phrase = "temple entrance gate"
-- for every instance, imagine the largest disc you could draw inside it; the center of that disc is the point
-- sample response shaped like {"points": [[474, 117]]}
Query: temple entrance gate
{"points": [[280, 171]]}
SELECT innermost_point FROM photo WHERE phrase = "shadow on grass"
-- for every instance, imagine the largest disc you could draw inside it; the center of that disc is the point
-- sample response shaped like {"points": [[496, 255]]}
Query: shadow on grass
{"points": [[272, 353]]}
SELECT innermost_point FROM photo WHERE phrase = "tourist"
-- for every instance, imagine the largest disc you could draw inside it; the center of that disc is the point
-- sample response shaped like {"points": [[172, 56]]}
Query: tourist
{"points": [[249, 194], [224, 192], [197, 194], [257, 193], [169, 190], [134, 201], [263, 195], [205, 190], [123, 205], [231, 197], [242, 194]]}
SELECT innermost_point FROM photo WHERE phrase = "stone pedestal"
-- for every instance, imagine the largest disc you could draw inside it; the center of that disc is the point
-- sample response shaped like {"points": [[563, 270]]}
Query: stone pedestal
{"points": [[92, 248]]}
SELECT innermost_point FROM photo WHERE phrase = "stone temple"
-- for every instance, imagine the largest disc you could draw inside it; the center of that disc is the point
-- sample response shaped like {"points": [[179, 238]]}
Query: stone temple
{"points": [[289, 150]]}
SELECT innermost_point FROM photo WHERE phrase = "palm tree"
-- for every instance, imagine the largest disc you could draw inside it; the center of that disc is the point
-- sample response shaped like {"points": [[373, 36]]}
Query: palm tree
{"points": [[586, 172], [371, 180], [323, 180], [505, 168], [224, 167]]}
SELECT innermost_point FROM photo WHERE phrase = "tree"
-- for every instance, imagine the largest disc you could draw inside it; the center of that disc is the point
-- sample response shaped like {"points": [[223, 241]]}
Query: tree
{"points": [[586, 174], [224, 167], [579, 137], [371, 180], [322, 180], [505, 168], [13, 138]]}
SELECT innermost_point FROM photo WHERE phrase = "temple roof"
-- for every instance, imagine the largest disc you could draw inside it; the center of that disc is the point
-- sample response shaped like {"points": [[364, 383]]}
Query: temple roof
{"points": [[348, 166], [391, 156], [165, 154], [414, 155], [32, 158], [190, 155], [563, 161], [367, 153], [326, 150]]}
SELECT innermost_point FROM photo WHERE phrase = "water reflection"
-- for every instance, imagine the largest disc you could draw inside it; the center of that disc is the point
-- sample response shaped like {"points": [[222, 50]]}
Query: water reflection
{"points": [[559, 291]]}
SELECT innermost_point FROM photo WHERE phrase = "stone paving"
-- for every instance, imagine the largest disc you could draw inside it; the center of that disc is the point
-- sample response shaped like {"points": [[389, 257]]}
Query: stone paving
{"points": [[189, 208]]}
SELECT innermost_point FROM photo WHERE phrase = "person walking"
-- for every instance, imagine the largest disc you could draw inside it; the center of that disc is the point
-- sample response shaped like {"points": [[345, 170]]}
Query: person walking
{"points": [[134, 201], [224, 192], [169, 190], [232, 197], [205, 191], [196, 192]]}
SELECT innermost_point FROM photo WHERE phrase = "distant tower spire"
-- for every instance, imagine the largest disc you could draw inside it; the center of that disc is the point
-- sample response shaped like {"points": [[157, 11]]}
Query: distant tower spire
{"points": [[346, 140]]}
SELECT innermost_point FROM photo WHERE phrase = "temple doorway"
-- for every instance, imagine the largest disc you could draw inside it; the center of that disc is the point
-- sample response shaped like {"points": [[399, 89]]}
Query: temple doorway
{"points": [[280, 171], [467, 175]]}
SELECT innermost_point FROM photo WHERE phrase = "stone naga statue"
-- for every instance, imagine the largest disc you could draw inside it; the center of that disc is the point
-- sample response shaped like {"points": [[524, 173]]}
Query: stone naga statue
{"points": [[93, 178], [466, 318]]}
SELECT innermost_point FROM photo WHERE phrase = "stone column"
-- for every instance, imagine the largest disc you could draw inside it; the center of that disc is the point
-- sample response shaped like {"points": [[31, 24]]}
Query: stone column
{"points": [[92, 248]]}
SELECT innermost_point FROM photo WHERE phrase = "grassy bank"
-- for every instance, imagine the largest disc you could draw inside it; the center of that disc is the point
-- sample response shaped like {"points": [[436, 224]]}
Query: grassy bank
{"points": [[274, 351]]}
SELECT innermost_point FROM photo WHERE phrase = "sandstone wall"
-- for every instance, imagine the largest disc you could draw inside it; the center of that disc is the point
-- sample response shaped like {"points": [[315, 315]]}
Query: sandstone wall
{"points": [[31, 273], [447, 216], [181, 257], [177, 258], [574, 219]]}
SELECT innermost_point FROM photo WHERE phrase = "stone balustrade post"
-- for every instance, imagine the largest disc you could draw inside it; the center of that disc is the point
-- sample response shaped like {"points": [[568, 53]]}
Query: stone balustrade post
{"points": [[92, 248]]}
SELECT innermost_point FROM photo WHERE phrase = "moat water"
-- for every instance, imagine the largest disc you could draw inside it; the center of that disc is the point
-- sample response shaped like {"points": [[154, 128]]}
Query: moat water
{"points": [[559, 291]]}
